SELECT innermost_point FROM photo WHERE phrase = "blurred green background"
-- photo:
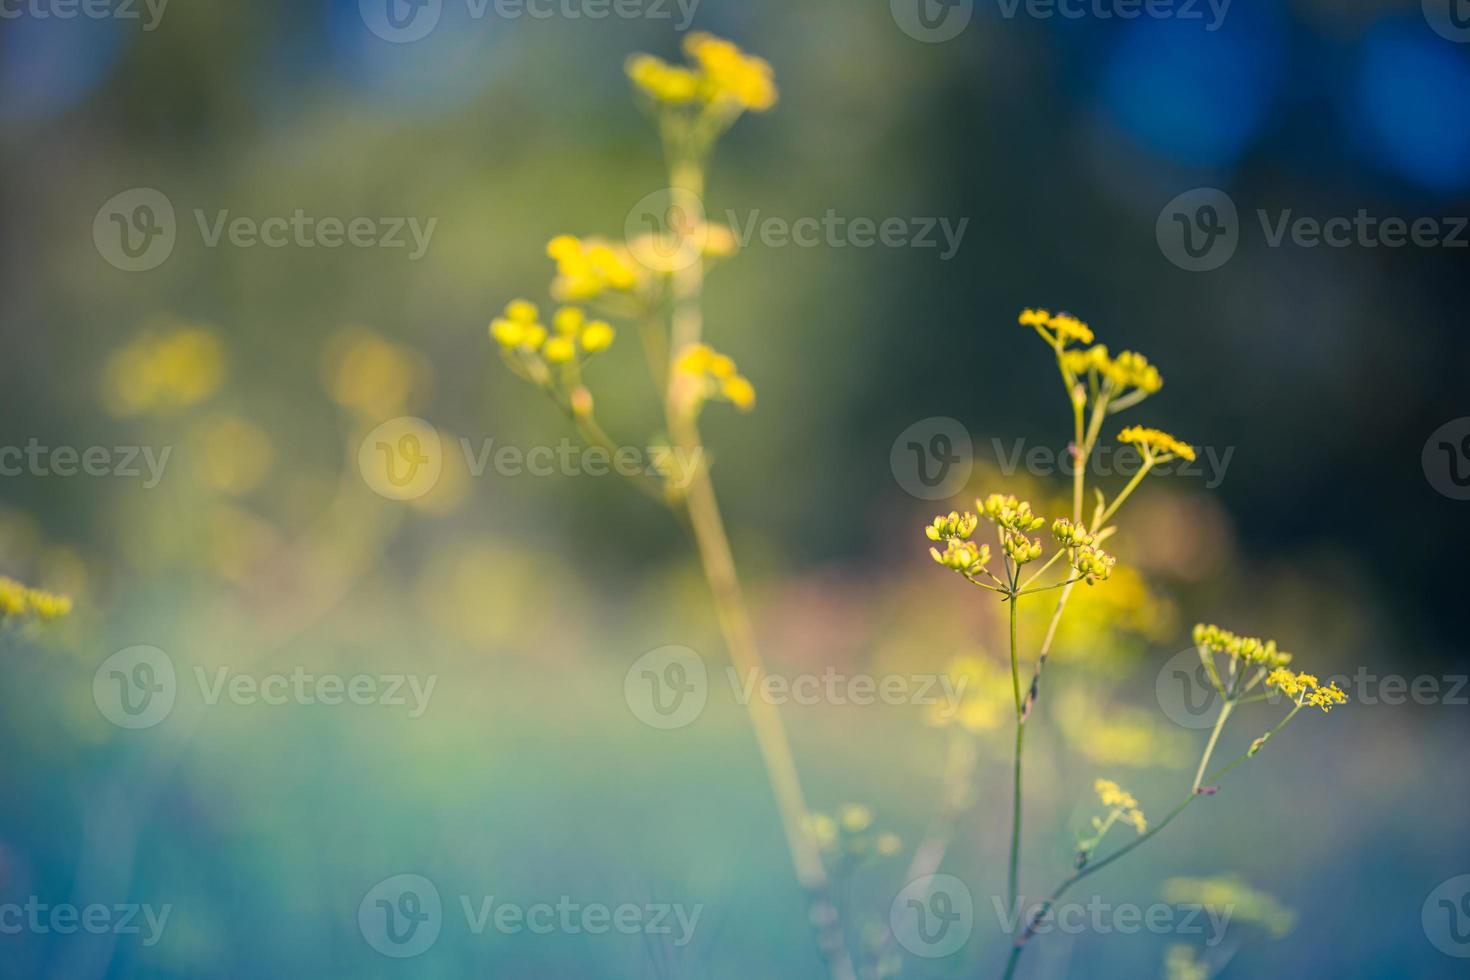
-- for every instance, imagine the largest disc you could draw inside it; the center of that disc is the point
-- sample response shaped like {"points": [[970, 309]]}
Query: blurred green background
{"points": [[1324, 370]]}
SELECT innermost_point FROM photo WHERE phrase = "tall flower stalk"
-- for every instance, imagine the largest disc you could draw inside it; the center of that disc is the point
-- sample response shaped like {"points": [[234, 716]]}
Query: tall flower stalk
{"points": [[1098, 385], [656, 280]]}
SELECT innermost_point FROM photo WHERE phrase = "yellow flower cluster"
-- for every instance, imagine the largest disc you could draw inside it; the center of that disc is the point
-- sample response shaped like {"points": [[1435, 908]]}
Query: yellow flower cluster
{"points": [[1090, 562], [163, 371], [520, 329], [1247, 904], [717, 375], [955, 525], [1121, 802], [1059, 330], [1007, 512], [1093, 564], [719, 72], [586, 268], [965, 557], [1070, 535], [18, 600], [1250, 649], [1129, 370], [1156, 445], [1305, 689]]}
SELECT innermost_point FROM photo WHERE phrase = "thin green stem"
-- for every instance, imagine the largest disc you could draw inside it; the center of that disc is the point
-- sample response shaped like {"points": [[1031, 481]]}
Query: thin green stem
{"points": [[1013, 875], [1204, 762], [1093, 868]]}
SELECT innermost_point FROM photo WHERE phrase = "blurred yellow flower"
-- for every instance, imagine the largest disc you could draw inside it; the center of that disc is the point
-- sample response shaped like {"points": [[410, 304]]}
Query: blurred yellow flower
{"points": [[720, 74], [709, 374], [162, 371], [730, 74], [18, 601], [372, 376], [587, 268]]}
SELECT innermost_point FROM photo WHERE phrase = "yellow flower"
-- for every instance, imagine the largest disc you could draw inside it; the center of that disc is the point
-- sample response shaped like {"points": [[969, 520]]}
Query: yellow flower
{"points": [[162, 371], [1059, 330], [568, 320], [1009, 513], [727, 73], [1111, 794], [1251, 649], [823, 829], [587, 268], [522, 311], [889, 844], [507, 333], [559, 350], [662, 81], [1070, 535], [739, 392], [1156, 445], [597, 336], [855, 818], [964, 557], [953, 526], [1093, 564], [1326, 698], [1122, 803], [17, 600], [713, 374]]}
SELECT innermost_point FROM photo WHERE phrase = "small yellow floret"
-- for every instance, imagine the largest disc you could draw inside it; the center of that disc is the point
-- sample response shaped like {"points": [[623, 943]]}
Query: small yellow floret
{"points": [[597, 336], [1156, 444]]}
